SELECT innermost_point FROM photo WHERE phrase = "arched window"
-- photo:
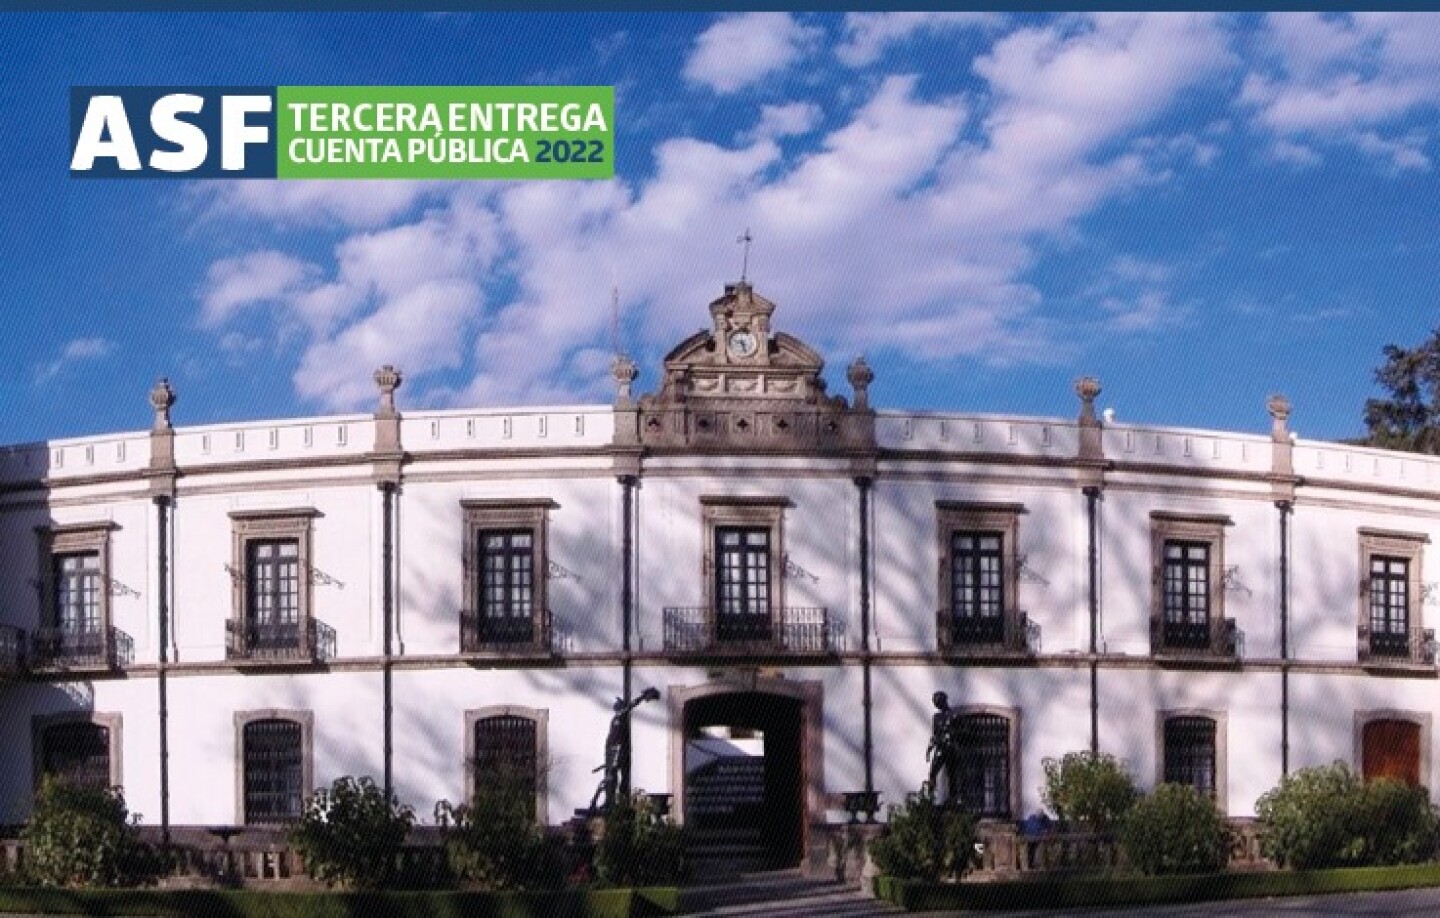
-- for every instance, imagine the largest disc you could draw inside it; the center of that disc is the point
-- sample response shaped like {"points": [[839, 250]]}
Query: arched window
{"points": [[274, 770], [506, 746], [77, 752], [506, 756], [983, 770]]}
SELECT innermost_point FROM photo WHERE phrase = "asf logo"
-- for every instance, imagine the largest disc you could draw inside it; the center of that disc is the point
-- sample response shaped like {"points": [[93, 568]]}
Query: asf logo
{"points": [[172, 132]]}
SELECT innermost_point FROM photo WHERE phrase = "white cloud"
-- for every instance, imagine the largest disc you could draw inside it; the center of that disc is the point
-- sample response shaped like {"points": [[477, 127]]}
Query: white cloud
{"points": [[788, 120], [868, 35], [915, 217], [75, 351], [1353, 80], [312, 203], [259, 277], [743, 49]]}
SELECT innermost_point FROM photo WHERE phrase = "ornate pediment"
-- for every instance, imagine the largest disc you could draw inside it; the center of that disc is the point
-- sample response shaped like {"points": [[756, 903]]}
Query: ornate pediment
{"points": [[739, 385]]}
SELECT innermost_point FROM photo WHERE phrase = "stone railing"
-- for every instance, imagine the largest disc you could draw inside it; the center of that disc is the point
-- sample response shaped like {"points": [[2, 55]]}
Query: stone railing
{"points": [[1007, 853], [236, 856]]}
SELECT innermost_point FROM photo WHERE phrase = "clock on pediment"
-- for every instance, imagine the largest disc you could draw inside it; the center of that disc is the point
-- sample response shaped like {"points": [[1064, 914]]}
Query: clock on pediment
{"points": [[738, 385]]}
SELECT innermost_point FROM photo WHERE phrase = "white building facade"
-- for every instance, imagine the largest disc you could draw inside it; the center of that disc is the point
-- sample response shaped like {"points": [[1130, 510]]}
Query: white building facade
{"points": [[221, 618]]}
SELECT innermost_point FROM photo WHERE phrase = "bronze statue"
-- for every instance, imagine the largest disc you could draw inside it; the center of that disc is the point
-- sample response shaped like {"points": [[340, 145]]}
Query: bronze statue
{"points": [[942, 753], [617, 749]]}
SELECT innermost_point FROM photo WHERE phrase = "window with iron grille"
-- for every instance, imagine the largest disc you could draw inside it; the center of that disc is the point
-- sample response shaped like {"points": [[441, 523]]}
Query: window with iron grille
{"points": [[742, 581], [1186, 585], [506, 601], [977, 583], [506, 756], [1190, 753], [274, 769], [77, 752], [77, 588], [1389, 605], [983, 768]]}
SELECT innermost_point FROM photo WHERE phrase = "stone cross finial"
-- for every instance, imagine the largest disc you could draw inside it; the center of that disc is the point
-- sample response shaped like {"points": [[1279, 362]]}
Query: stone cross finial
{"points": [[860, 376], [1279, 408], [625, 371], [388, 379], [162, 398], [1088, 388]]}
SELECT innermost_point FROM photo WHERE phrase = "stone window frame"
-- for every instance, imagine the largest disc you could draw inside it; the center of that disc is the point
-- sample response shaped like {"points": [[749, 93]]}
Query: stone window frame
{"points": [[1221, 720], [1409, 546], [482, 514], [1421, 719], [1013, 716], [306, 719], [112, 722], [952, 516], [248, 526], [541, 718], [1169, 526], [718, 511], [72, 539]]}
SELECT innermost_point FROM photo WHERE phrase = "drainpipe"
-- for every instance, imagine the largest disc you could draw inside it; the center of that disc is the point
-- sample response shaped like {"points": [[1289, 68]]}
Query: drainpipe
{"points": [[162, 506], [1092, 501], [387, 458], [627, 599], [1091, 456], [864, 484], [387, 607], [1282, 489], [1286, 508], [162, 474]]}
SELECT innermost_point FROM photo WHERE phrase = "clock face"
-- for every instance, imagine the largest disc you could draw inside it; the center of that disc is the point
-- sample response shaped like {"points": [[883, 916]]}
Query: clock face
{"points": [[744, 344]]}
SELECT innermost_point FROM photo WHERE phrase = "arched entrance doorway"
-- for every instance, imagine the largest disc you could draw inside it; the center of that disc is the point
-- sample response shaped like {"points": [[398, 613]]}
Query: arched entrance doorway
{"points": [[746, 765]]}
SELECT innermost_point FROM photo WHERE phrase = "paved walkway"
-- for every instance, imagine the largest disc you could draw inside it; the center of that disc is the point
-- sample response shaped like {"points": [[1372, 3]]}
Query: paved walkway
{"points": [[786, 894], [1405, 903]]}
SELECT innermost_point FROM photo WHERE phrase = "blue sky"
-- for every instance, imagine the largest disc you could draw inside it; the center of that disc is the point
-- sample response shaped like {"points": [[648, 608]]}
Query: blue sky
{"points": [[1199, 209]]}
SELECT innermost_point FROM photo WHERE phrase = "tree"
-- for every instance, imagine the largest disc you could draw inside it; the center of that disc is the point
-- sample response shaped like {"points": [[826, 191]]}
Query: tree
{"points": [[1410, 418]]}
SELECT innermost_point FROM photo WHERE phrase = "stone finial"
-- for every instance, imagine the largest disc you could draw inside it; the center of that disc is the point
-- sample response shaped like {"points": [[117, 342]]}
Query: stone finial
{"points": [[1279, 408], [860, 376], [625, 372], [162, 398], [388, 379], [1088, 388]]}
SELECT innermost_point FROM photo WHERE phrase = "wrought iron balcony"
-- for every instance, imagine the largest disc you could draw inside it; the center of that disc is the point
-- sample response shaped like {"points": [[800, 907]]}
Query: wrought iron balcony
{"points": [[516, 635], [72, 648], [12, 650], [701, 631], [307, 641], [1217, 638], [1010, 634], [1415, 647]]}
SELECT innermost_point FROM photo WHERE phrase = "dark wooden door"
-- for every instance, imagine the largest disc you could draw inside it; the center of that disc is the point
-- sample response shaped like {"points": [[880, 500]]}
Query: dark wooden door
{"points": [[1392, 750]]}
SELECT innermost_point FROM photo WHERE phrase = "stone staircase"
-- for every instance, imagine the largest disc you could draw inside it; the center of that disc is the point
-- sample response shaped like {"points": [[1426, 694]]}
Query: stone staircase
{"points": [[781, 894]]}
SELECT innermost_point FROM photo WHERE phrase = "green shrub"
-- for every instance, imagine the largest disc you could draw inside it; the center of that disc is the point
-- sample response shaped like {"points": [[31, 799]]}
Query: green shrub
{"points": [[82, 836], [494, 843], [1327, 817], [1176, 829], [924, 841], [1311, 819], [1399, 824], [637, 848], [351, 834], [1088, 790]]}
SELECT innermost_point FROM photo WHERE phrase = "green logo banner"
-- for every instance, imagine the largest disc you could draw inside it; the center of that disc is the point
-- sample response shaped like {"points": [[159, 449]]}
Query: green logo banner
{"points": [[445, 132]]}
